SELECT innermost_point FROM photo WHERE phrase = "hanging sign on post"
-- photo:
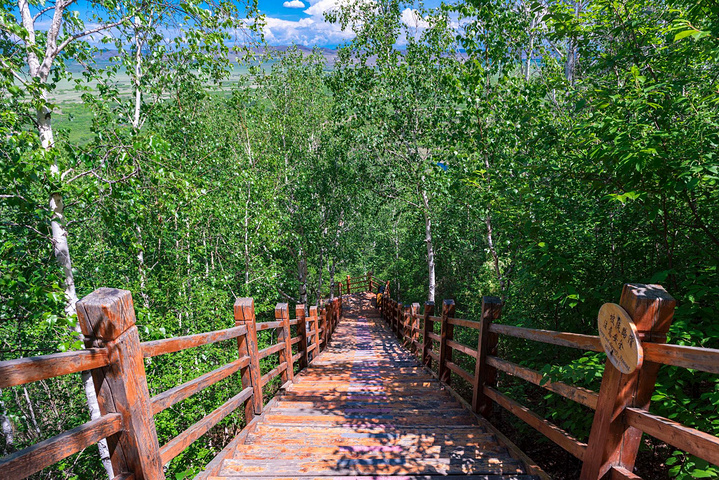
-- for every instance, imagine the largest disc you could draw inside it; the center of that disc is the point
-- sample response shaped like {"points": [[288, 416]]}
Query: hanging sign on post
{"points": [[619, 338]]}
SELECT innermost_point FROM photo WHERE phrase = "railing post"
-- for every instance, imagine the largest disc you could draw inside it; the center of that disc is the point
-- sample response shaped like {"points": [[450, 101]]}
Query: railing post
{"points": [[486, 345], [369, 282], [323, 323], [107, 318], [349, 289], [398, 320], [282, 314], [414, 323], [302, 332], [247, 346], [611, 441], [406, 335], [315, 318], [426, 329], [445, 353], [339, 286]]}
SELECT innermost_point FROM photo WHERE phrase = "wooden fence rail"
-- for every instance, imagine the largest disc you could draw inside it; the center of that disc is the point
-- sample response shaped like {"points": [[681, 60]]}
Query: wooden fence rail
{"points": [[114, 355], [622, 403]]}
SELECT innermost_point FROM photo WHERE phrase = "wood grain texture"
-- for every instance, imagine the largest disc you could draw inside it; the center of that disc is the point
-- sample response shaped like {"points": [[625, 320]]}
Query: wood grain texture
{"points": [[30, 460], [282, 314], [300, 315], [244, 310], [367, 407], [612, 442], [176, 394], [427, 326], [580, 395], [546, 428], [697, 358], [32, 369], [563, 339], [122, 385], [170, 345], [485, 375], [175, 446], [447, 333], [316, 332], [690, 440]]}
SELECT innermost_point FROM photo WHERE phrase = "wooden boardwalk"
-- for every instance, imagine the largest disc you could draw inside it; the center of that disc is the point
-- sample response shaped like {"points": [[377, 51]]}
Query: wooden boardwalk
{"points": [[366, 407]]}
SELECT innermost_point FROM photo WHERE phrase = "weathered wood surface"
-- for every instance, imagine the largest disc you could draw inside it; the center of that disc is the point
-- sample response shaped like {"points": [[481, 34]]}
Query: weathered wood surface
{"points": [[33, 369], [365, 406], [33, 459], [107, 319], [170, 345]]}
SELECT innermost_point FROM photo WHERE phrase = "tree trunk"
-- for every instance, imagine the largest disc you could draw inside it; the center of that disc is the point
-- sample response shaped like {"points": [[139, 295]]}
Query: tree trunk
{"points": [[332, 279], [319, 274], [431, 288], [6, 426], [62, 255], [302, 277]]}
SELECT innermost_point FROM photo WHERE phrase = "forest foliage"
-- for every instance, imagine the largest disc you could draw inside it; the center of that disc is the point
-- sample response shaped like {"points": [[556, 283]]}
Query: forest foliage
{"points": [[544, 152]]}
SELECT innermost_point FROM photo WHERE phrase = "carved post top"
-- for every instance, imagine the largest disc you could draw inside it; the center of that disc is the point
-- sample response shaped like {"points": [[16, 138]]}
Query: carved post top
{"points": [[244, 310], [300, 310], [491, 308], [406, 308], [106, 313], [282, 311], [448, 307], [415, 308], [651, 309], [428, 308], [313, 311]]}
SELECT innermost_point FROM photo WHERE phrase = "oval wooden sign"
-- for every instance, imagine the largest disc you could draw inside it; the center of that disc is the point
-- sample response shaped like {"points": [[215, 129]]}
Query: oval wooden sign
{"points": [[618, 336]]}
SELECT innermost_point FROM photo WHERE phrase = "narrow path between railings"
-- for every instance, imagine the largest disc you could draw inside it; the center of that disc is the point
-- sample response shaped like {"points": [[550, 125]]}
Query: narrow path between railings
{"points": [[365, 407]]}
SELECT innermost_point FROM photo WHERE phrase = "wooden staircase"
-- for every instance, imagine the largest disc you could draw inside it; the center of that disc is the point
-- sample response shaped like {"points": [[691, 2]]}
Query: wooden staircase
{"points": [[366, 407]]}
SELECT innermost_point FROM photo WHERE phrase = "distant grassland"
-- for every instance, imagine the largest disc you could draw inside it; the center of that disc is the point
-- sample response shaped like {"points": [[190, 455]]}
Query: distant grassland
{"points": [[73, 119]]}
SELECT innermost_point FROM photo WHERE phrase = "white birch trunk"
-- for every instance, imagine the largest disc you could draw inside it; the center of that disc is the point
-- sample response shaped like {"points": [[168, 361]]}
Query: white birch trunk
{"points": [[432, 286], [6, 426]]}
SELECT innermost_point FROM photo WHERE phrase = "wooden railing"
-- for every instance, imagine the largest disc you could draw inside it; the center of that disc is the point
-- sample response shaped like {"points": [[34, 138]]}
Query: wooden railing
{"points": [[360, 283], [622, 404], [115, 356]]}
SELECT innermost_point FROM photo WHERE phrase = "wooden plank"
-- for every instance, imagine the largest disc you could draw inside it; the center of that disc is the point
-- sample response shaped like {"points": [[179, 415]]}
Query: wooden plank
{"points": [[32, 459], [543, 426], [462, 348], [295, 340], [690, 440], [612, 442], [268, 325], [296, 357], [177, 394], [696, 358], [244, 310], [175, 446], [621, 473], [581, 395], [435, 337], [460, 371], [426, 330], [563, 339], [267, 377], [33, 369], [170, 345], [107, 317], [460, 322], [267, 351]]}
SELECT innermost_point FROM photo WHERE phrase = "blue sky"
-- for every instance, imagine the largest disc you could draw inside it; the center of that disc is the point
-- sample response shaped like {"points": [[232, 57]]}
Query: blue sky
{"points": [[302, 22]]}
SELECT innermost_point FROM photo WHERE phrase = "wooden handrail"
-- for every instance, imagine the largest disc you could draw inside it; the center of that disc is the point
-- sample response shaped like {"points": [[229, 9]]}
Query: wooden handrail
{"points": [[33, 369], [622, 402], [107, 319]]}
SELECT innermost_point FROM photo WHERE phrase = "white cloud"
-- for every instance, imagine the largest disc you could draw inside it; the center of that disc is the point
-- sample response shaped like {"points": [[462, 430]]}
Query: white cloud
{"points": [[294, 4], [413, 19], [310, 31]]}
